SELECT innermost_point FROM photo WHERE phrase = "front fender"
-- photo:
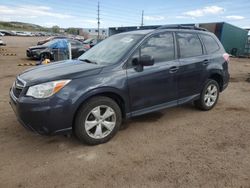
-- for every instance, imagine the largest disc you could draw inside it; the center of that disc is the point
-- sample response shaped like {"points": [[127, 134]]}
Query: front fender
{"points": [[101, 91], [114, 82]]}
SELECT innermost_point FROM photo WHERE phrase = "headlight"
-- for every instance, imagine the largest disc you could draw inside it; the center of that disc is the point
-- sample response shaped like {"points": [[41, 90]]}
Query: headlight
{"points": [[47, 89]]}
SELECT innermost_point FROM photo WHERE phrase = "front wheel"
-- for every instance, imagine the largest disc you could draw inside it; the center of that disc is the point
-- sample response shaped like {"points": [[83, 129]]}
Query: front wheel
{"points": [[209, 96], [44, 56], [97, 121]]}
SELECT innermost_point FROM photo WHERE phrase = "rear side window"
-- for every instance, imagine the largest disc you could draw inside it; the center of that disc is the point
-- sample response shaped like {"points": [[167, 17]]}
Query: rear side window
{"points": [[210, 43], [189, 44]]}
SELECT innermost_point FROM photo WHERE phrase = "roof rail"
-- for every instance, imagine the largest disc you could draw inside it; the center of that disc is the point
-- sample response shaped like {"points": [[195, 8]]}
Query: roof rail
{"points": [[181, 27]]}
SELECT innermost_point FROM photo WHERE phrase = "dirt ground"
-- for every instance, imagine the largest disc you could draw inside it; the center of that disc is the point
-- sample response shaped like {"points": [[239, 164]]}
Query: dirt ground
{"points": [[177, 147]]}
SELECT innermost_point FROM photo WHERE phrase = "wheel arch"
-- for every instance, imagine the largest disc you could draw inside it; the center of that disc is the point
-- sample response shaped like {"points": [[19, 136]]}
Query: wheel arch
{"points": [[217, 76], [112, 93], [45, 52]]}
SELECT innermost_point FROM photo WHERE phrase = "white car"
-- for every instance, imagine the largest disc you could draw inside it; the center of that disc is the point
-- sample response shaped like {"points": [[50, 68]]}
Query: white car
{"points": [[21, 33], [2, 43], [1, 34]]}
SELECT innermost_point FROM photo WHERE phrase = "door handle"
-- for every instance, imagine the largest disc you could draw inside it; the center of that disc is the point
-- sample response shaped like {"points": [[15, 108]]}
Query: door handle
{"points": [[205, 62], [173, 69]]}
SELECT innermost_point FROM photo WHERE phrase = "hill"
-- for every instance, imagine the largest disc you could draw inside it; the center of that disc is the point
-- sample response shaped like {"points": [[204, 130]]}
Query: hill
{"points": [[20, 26]]}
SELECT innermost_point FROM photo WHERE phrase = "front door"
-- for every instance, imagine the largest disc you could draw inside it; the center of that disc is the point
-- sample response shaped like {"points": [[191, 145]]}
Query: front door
{"points": [[154, 86]]}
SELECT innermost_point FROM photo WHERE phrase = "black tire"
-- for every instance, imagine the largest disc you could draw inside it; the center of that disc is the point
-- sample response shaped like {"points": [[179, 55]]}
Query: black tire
{"points": [[200, 103], [44, 56], [84, 113]]}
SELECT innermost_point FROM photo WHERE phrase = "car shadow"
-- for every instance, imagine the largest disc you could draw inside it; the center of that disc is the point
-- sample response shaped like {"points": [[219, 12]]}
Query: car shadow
{"points": [[155, 116], [151, 117]]}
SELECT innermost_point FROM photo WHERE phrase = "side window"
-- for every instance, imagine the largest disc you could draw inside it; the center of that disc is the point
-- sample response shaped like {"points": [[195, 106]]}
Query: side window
{"points": [[160, 47], [189, 44], [210, 43], [78, 43], [74, 43]]}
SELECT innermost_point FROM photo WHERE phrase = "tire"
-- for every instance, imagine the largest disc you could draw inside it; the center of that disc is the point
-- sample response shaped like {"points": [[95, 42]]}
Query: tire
{"points": [[44, 56], [91, 126], [209, 96]]}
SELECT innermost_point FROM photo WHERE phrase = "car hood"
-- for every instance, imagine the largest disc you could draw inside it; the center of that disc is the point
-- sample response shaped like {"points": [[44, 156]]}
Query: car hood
{"points": [[69, 69], [38, 47]]}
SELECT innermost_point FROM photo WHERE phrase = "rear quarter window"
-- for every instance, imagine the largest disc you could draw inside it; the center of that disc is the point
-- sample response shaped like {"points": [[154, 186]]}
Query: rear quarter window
{"points": [[210, 43]]}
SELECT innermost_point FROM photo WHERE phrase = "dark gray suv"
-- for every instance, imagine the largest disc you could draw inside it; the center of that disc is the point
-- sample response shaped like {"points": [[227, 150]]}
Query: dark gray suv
{"points": [[126, 75]]}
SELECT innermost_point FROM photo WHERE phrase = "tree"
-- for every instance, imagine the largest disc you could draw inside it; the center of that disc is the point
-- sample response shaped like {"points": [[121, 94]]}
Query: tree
{"points": [[55, 29], [73, 31]]}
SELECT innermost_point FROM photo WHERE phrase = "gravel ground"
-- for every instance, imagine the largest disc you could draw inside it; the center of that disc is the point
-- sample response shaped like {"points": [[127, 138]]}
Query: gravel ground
{"points": [[177, 147]]}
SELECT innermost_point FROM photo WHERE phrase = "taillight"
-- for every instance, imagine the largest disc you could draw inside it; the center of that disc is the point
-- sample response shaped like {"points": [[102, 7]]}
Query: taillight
{"points": [[226, 57]]}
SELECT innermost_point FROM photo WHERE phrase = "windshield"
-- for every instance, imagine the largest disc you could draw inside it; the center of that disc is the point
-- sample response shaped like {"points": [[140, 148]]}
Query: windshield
{"points": [[112, 49]]}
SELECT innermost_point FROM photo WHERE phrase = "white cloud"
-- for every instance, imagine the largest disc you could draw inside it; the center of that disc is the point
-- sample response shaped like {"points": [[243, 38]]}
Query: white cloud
{"points": [[90, 21], [235, 17], [154, 18], [6, 10], [6, 19], [30, 11], [182, 17], [85, 21], [209, 10]]}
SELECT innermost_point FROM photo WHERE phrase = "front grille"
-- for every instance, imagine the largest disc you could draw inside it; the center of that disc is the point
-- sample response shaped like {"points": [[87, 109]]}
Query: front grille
{"points": [[16, 92], [18, 87]]}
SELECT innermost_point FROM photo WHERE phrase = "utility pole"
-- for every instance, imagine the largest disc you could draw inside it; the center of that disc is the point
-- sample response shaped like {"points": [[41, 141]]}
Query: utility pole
{"points": [[142, 17], [98, 19]]}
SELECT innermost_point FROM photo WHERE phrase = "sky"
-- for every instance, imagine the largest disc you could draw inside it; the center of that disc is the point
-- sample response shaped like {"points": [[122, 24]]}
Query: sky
{"points": [[83, 13]]}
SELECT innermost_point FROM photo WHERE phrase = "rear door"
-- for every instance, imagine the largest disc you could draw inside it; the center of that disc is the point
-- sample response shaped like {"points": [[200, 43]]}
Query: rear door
{"points": [[157, 84], [193, 63]]}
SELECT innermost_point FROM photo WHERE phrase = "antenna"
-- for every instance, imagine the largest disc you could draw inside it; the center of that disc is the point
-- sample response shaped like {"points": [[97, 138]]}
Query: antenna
{"points": [[98, 19]]}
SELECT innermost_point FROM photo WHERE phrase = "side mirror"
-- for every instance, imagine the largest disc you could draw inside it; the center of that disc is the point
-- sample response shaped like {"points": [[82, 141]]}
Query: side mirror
{"points": [[146, 60]]}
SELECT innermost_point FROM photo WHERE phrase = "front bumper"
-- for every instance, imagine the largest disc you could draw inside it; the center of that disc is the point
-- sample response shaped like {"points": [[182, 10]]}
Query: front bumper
{"points": [[46, 117], [32, 54]]}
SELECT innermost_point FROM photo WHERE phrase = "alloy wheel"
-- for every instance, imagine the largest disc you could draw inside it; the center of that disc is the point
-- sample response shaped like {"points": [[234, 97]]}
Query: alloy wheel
{"points": [[211, 95], [100, 122]]}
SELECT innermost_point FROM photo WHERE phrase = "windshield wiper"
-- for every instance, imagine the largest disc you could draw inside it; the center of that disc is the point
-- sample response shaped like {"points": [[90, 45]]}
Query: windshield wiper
{"points": [[88, 61]]}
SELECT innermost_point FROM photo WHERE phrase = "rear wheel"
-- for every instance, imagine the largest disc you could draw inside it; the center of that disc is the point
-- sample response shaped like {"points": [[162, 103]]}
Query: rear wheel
{"points": [[209, 96], [97, 121]]}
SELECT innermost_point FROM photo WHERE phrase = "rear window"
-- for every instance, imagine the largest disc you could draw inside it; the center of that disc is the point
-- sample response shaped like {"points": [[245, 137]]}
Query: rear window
{"points": [[210, 43], [189, 44]]}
